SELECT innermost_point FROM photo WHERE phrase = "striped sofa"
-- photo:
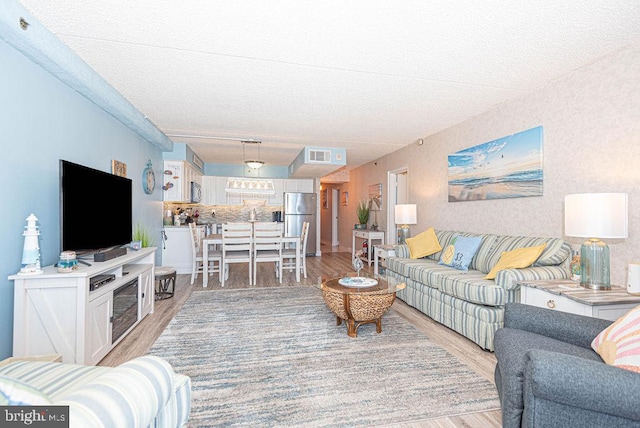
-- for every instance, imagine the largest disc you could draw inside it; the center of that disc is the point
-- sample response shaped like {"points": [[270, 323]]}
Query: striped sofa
{"points": [[143, 392], [463, 300]]}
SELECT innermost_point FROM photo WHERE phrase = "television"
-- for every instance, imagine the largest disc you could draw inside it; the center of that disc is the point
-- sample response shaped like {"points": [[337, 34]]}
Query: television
{"points": [[95, 209]]}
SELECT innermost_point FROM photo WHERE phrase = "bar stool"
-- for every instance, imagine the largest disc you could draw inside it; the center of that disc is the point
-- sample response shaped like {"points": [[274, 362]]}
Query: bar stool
{"points": [[166, 277]]}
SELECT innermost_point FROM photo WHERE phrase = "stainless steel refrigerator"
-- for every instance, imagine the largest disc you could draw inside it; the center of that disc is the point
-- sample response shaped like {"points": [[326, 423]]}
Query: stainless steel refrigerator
{"points": [[298, 208]]}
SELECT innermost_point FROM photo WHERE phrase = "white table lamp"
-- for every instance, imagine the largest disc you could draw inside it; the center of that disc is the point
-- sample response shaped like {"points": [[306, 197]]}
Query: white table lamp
{"points": [[595, 216], [405, 214]]}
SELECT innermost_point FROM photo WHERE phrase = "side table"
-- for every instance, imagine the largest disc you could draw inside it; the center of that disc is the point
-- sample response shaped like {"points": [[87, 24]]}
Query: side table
{"points": [[382, 252], [569, 296], [368, 235]]}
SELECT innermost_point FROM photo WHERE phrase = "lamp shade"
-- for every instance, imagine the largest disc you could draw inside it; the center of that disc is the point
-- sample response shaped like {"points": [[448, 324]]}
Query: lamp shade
{"points": [[406, 214], [596, 215]]}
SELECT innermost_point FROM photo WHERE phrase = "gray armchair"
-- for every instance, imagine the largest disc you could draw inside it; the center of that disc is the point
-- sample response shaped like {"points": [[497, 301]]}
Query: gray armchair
{"points": [[548, 376]]}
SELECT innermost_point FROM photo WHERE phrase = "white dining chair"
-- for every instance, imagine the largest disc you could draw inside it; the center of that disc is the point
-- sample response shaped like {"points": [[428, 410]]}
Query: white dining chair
{"points": [[289, 254], [237, 241], [267, 246], [214, 256]]}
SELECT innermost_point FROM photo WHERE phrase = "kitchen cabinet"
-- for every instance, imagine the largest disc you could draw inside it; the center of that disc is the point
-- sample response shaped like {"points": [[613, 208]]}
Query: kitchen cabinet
{"points": [[214, 191], [221, 196], [277, 199], [182, 174], [209, 190], [299, 185], [177, 252]]}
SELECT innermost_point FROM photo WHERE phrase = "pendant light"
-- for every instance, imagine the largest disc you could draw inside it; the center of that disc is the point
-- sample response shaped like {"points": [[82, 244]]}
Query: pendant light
{"points": [[256, 186], [253, 164]]}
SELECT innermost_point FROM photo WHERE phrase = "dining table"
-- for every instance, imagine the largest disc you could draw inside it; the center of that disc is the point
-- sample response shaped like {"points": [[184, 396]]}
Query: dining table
{"points": [[216, 239]]}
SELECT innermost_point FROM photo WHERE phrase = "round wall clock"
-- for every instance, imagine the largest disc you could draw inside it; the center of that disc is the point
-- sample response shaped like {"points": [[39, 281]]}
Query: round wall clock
{"points": [[148, 179]]}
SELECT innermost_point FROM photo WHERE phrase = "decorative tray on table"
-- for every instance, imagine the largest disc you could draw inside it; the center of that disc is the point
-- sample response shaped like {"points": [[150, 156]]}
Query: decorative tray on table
{"points": [[357, 281]]}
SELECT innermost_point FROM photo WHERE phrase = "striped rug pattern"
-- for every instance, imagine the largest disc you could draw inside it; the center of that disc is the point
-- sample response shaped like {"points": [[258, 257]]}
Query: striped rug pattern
{"points": [[275, 357]]}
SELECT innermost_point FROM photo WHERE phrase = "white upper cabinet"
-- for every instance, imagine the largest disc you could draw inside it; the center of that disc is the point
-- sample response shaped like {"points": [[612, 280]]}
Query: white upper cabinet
{"points": [[277, 199], [182, 174], [214, 191], [299, 185]]}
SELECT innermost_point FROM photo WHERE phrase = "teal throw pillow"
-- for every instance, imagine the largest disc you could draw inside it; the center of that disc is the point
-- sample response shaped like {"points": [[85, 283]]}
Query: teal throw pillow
{"points": [[460, 252]]}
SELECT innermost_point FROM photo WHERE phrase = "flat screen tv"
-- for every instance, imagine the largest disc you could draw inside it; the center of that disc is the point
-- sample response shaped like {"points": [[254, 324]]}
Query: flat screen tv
{"points": [[95, 209]]}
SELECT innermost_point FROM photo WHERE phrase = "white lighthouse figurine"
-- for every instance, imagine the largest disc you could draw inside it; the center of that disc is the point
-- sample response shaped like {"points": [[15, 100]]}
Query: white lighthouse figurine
{"points": [[31, 250]]}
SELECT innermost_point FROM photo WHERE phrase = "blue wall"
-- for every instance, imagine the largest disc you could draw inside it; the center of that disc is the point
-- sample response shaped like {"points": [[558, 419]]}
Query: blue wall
{"points": [[44, 120]]}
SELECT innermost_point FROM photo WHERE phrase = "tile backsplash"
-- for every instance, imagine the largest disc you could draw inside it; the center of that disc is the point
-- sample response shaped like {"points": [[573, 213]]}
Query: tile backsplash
{"points": [[218, 214]]}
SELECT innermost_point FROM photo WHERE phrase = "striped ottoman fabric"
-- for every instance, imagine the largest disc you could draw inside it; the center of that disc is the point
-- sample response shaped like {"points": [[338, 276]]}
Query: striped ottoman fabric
{"points": [[139, 393]]}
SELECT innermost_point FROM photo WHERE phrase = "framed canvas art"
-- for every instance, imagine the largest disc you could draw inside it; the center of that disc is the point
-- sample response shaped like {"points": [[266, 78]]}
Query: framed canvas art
{"points": [[509, 167]]}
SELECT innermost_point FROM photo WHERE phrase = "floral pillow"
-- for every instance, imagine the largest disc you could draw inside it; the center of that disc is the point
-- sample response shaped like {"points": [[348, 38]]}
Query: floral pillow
{"points": [[460, 252]]}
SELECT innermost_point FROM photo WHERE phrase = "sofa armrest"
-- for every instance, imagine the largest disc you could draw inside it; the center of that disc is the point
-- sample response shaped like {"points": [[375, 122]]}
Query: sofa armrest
{"points": [[508, 278], [589, 387], [130, 395], [578, 330]]}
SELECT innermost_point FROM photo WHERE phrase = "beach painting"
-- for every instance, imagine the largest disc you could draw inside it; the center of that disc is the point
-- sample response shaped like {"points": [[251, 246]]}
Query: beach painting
{"points": [[510, 167]]}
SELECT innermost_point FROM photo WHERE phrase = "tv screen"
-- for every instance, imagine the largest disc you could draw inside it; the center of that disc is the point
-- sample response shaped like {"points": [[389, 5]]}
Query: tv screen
{"points": [[95, 208]]}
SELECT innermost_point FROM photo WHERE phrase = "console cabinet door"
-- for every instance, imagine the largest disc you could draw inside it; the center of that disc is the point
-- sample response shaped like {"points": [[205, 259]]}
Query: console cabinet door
{"points": [[100, 312], [147, 293]]}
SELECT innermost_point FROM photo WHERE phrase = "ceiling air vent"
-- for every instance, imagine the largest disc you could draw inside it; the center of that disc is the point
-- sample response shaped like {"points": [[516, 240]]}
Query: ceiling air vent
{"points": [[320, 156]]}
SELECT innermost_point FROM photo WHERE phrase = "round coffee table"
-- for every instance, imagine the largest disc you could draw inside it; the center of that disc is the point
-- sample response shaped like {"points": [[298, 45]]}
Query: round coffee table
{"points": [[360, 305]]}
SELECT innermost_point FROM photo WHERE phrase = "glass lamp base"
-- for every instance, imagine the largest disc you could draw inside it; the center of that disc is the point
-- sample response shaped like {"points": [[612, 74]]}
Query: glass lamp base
{"points": [[594, 265], [403, 234]]}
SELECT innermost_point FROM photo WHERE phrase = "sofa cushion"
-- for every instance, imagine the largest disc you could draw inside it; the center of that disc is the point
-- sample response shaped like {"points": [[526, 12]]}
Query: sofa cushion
{"points": [[516, 259], [460, 251], [555, 253], [14, 392], [420, 270], [424, 244], [619, 344], [472, 287]]}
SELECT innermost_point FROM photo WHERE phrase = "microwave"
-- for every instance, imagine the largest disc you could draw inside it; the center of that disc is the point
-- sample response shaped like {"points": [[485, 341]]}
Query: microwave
{"points": [[196, 192]]}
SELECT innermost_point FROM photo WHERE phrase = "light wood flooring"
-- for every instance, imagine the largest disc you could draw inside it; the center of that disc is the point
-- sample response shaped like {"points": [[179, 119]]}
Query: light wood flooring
{"points": [[330, 264]]}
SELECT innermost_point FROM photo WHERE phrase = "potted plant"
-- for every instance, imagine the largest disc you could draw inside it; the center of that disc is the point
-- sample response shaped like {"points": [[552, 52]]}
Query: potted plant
{"points": [[362, 212], [141, 237]]}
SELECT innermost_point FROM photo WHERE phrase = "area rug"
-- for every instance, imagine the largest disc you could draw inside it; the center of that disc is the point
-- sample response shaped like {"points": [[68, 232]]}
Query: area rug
{"points": [[275, 357]]}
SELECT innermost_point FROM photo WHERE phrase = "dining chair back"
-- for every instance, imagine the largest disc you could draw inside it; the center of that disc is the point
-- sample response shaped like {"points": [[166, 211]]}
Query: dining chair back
{"points": [[289, 254], [197, 264], [237, 241], [267, 246]]}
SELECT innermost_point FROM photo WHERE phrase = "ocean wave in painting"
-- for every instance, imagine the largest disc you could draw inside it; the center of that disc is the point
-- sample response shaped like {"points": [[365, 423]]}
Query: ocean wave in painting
{"points": [[515, 185]]}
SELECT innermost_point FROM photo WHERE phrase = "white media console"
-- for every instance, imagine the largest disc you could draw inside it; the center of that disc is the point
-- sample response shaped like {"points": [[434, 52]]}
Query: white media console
{"points": [[57, 313]]}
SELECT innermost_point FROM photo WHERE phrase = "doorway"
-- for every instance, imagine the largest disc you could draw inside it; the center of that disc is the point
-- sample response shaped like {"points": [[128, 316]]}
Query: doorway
{"points": [[398, 193], [335, 203]]}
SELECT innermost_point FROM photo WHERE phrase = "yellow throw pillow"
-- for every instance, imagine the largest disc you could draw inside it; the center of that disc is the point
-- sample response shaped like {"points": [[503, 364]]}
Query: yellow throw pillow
{"points": [[423, 244], [516, 259]]}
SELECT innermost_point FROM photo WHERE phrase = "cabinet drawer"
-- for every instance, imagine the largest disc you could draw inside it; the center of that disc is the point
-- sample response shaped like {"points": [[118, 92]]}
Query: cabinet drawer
{"points": [[364, 235], [542, 299]]}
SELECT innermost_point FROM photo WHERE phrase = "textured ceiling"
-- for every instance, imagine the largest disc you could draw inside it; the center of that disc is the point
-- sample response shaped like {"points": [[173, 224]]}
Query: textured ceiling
{"points": [[370, 76]]}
